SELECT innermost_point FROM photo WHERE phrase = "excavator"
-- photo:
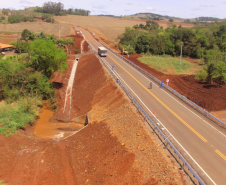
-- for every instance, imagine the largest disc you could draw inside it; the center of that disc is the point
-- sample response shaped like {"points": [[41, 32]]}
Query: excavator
{"points": [[123, 52]]}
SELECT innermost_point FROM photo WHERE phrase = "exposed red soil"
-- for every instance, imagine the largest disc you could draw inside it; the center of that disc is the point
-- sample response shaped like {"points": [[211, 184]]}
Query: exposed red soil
{"points": [[85, 85], [96, 159], [78, 38], [207, 96], [113, 149], [6, 38], [86, 47], [60, 83]]}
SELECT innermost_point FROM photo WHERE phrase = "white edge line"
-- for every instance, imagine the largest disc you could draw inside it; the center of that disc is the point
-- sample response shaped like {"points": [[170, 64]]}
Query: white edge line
{"points": [[171, 96], [163, 126]]}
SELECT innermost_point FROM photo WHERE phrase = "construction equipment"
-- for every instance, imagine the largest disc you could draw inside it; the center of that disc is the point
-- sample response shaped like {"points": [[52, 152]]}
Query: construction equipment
{"points": [[123, 52]]}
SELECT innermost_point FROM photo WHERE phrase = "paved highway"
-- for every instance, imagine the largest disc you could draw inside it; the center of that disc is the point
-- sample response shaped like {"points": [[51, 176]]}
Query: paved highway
{"points": [[199, 140]]}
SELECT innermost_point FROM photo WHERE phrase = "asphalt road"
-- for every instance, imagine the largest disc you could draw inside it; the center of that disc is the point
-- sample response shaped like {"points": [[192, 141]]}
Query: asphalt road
{"points": [[199, 140]]}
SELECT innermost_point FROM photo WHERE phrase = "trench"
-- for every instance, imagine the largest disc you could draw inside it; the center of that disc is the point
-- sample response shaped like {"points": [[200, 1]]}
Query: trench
{"points": [[45, 129]]}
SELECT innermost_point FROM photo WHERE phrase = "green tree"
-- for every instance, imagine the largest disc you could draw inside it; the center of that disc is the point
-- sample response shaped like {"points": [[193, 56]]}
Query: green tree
{"points": [[41, 35], [201, 75], [143, 44], [52, 38], [60, 43], [219, 73], [25, 34], [46, 57], [69, 41]]}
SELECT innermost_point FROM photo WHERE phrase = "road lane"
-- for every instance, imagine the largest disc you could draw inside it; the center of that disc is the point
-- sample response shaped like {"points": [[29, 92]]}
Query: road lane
{"points": [[203, 152]]}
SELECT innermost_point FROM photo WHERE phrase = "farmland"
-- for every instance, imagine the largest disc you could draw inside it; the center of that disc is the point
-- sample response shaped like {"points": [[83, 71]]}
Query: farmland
{"points": [[108, 28], [36, 27]]}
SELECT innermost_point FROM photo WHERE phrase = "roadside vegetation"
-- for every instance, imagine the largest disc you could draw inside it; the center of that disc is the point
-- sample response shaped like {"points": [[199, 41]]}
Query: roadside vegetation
{"points": [[166, 63], [24, 81], [205, 43]]}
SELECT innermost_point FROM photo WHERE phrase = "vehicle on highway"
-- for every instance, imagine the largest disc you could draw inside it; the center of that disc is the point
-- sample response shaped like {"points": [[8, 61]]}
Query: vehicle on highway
{"points": [[102, 51]]}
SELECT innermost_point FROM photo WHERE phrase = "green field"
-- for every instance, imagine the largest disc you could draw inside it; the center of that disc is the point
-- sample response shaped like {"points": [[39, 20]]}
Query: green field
{"points": [[169, 65]]}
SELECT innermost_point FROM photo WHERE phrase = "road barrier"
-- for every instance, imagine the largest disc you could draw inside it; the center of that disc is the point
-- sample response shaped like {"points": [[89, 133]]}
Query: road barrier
{"points": [[184, 165], [183, 98]]}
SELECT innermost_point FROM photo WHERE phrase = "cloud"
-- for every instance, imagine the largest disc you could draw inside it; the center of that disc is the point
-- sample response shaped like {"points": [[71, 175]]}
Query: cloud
{"points": [[129, 3], [150, 8], [26, 2], [206, 6], [99, 7], [126, 10]]}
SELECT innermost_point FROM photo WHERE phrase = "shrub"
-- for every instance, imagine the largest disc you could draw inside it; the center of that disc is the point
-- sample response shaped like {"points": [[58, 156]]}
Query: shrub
{"points": [[76, 51], [14, 116], [201, 75]]}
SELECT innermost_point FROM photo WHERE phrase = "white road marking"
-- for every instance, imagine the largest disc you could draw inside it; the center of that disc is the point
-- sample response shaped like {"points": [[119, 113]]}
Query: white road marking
{"points": [[163, 125], [171, 96]]}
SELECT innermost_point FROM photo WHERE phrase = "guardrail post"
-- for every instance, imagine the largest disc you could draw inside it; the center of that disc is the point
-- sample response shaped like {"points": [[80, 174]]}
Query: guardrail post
{"points": [[154, 130], [182, 166], [136, 104], [166, 145]]}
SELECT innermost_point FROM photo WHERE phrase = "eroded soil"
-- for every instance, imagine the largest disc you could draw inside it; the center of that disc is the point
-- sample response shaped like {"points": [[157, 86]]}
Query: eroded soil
{"points": [[115, 148]]}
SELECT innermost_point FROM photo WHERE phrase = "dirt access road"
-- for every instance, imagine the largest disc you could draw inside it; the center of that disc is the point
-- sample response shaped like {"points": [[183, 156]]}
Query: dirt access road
{"points": [[115, 148]]}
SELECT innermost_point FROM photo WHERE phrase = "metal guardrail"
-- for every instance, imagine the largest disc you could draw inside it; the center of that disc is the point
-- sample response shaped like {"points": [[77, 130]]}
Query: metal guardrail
{"points": [[184, 165], [183, 98]]}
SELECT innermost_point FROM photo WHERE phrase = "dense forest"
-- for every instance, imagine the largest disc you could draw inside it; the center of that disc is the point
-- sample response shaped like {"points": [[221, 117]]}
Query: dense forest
{"points": [[24, 81], [206, 43]]}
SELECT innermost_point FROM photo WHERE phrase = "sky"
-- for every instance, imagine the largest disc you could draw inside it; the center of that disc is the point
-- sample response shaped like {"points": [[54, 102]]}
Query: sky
{"points": [[176, 8]]}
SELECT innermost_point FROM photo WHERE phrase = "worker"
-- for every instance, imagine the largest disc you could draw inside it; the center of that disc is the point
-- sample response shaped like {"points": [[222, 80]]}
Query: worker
{"points": [[113, 67], [150, 85], [161, 84]]}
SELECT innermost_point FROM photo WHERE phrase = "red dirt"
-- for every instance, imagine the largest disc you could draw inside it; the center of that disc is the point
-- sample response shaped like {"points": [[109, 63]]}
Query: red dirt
{"points": [[114, 148], [207, 96], [85, 47], [78, 38]]}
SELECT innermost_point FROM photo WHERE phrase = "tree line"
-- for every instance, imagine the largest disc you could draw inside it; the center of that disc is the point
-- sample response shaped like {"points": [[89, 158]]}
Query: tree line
{"points": [[22, 46], [58, 9], [206, 43]]}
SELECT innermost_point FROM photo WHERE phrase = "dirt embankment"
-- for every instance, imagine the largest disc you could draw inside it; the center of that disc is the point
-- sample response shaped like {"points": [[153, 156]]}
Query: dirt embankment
{"points": [[207, 96], [115, 148]]}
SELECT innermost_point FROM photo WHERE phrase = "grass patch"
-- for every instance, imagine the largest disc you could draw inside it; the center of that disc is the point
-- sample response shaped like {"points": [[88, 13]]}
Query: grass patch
{"points": [[14, 116], [168, 65]]}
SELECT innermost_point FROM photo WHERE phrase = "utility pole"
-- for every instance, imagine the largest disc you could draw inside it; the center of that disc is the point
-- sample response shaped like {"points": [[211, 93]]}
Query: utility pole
{"points": [[181, 52], [59, 32]]}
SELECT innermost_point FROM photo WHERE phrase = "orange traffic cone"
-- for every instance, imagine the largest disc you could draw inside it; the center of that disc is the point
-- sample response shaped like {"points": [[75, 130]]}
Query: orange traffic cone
{"points": [[154, 112]]}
